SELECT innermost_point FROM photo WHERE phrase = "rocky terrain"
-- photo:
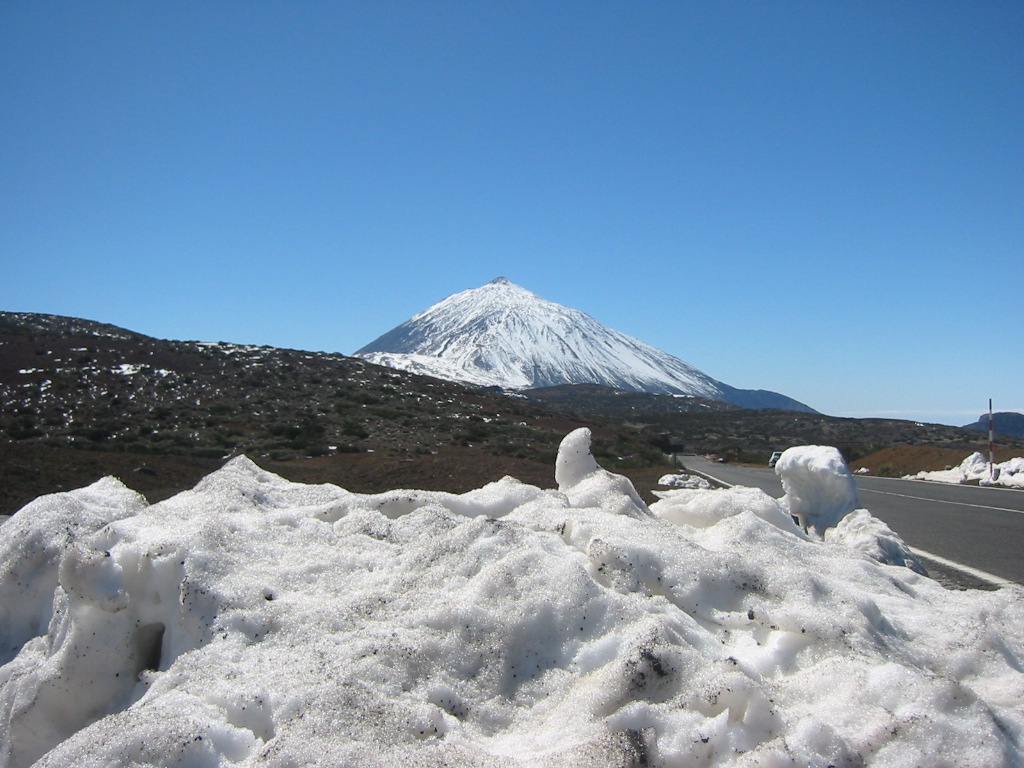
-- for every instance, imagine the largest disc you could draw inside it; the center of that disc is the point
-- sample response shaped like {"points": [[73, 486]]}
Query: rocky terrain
{"points": [[79, 400]]}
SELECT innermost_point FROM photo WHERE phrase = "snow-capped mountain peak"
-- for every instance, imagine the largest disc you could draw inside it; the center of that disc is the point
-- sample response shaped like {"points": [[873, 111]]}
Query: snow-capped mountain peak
{"points": [[501, 334]]}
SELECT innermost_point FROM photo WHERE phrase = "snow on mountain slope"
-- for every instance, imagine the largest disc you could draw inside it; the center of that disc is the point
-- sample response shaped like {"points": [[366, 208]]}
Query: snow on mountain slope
{"points": [[503, 335]]}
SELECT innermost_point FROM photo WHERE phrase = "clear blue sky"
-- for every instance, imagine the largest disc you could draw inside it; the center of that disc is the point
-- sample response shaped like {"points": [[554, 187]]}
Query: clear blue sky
{"points": [[825, 199]]}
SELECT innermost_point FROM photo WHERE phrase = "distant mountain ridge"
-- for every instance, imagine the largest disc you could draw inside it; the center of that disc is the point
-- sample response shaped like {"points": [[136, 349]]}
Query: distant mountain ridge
{"points": [[503, 335], [1003, 423]]}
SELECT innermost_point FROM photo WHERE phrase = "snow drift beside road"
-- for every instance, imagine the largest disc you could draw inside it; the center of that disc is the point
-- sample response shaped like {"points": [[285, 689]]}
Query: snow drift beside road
{"points": [[975, 468], [684, 481], [821, 493], [253, 621]]}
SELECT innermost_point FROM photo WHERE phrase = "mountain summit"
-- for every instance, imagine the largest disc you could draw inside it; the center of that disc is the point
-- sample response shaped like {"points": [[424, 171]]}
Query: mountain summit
{"points": [[503, 335]]}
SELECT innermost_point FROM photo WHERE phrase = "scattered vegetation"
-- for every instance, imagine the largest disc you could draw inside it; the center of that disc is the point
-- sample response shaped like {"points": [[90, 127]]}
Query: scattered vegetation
{"points": [[79, 400]]}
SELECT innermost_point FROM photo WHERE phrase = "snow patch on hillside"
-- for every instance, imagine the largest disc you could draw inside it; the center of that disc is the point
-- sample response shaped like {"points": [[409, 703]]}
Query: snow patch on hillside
{"points": [[253, 621]]}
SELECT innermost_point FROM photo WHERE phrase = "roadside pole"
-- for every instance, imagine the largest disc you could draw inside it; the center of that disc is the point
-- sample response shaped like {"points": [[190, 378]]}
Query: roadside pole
{"points": [[991, 446]]}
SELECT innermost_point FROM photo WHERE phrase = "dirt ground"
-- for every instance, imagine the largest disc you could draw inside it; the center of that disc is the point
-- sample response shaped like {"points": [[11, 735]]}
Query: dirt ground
{"points": [[31, 471]]}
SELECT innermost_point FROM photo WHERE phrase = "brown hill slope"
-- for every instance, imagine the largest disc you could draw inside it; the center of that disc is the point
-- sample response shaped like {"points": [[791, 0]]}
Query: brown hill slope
{"points": [[900, 460]]}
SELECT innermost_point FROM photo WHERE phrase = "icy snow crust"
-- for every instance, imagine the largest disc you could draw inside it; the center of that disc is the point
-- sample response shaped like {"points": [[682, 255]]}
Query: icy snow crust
{"points": [[257, 622]]}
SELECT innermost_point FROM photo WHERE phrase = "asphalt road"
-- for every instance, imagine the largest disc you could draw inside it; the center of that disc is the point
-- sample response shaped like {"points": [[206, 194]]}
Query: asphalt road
{"points": [[976, 532]]}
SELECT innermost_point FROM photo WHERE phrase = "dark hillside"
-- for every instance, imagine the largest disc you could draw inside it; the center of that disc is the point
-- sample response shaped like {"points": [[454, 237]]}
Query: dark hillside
{"points": [[595, 400], [693, 425], [31, 324], [84, 402], [79, 400]]}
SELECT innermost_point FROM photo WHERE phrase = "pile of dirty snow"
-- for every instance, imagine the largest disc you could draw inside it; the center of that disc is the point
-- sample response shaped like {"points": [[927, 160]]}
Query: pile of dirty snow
{"points": [[685, 481], [253, 621], [975, 468]]}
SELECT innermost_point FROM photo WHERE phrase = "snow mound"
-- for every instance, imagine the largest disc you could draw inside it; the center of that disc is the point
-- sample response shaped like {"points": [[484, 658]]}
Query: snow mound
{"points": [[685, 481], [1011, 473], [819, 489], [703, 508], [863, 532], [821, 494], [253, 621], [975, 468], [586, 484]]}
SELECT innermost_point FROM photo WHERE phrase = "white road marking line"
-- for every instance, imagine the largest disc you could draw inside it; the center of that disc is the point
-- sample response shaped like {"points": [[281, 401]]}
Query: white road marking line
{"points": [[991, 578], [939, 501], [708, 476]]}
